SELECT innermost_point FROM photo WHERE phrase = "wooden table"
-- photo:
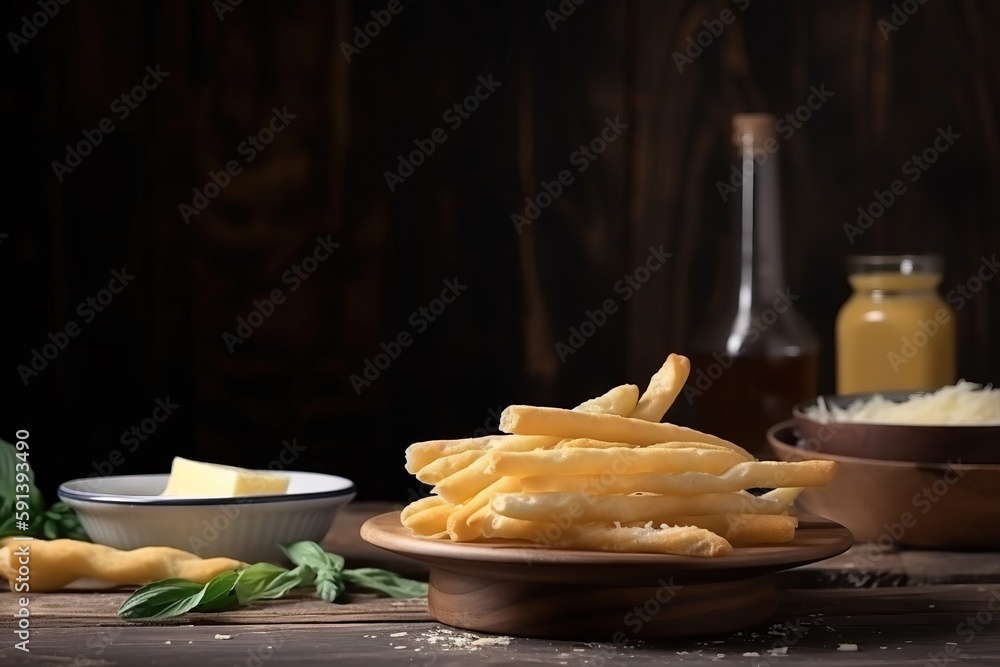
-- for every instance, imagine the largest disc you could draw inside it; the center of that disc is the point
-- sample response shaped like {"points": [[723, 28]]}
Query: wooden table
{"points": [[898, 608]]}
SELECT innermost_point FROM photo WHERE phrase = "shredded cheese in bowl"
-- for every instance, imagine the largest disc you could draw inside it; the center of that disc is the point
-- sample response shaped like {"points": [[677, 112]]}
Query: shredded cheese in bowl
{"points": [[961, 404]]}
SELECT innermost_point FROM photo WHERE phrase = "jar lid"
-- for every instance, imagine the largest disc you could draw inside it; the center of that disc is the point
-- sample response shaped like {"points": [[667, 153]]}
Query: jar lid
{"points": [[902, 264]]}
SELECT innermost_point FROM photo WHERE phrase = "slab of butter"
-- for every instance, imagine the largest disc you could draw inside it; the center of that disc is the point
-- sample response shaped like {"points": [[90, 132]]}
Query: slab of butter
{"points": [[210, 480]]}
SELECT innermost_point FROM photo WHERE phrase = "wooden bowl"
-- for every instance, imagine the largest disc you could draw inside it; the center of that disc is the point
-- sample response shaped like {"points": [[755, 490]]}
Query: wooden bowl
{"points": [[897, 442], [518, 588], [902, 503]]}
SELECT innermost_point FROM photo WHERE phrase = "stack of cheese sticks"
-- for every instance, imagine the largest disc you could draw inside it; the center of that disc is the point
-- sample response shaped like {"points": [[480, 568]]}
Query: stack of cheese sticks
{"points": [[607, 475]]}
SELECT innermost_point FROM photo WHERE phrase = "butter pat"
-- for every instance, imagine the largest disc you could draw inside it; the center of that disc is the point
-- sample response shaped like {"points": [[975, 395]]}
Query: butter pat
{"points": [[210, 480]]}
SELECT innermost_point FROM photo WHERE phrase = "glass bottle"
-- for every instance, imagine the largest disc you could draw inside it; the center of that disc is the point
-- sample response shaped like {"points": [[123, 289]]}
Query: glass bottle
{"points": [[895, 332], [756, 357]]}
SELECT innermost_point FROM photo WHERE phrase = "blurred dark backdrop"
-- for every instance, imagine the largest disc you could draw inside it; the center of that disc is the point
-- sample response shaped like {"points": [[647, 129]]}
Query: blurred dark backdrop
{"points": [[555, 73]]}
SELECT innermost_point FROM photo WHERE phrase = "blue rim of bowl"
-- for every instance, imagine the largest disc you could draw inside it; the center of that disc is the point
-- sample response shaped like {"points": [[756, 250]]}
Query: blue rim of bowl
{"points": [[159, 501]]}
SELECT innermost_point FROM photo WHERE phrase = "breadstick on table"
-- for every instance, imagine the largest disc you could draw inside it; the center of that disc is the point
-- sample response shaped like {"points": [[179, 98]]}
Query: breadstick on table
{"points": [[57, 563]]}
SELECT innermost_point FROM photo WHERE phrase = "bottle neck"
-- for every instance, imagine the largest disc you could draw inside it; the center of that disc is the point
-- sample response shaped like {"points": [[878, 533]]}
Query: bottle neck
{"points": [[758, 226]]}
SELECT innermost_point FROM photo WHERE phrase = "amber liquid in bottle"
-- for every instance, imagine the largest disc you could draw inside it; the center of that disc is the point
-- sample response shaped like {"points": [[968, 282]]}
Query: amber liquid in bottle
{"points": [[750, 396], [755, 357]]}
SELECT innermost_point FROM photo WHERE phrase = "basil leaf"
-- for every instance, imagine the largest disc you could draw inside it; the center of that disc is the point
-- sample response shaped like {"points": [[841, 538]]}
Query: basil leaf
{"points": [[58, 521], [312, 554], [329, 590], [8, 461], [219, 594], [160, 599], [328, 566], [266, 581], [386, 582]]}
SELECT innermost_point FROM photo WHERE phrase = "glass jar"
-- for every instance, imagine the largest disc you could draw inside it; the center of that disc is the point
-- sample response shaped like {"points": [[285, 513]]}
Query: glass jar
{"points": [[895, 332]]}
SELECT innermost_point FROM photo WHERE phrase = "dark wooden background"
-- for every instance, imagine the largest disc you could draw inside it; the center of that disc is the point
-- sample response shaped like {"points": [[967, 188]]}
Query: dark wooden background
{"points": [[324, 175]]}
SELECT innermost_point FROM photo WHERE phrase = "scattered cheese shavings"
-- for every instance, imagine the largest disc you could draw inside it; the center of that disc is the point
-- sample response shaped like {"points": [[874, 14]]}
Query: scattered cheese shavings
{"points": [[751, 654], [396, 634], [223, 636], [778, 651], [847, 647], [491, 641]]}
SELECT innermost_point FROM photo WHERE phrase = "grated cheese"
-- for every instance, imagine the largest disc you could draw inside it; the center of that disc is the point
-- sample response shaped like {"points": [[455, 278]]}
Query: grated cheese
{"points": [[961, 404]]}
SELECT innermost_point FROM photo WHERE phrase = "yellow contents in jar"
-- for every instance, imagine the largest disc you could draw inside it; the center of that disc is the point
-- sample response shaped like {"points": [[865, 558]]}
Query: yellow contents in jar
{"points": [[894, 333]]}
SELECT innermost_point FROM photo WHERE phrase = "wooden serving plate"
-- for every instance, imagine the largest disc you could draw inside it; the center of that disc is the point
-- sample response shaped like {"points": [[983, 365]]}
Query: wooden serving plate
{"points": [[518, 588]]}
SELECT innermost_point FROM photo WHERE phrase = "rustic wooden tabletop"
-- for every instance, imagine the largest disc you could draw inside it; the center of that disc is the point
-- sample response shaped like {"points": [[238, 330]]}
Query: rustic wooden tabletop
{"points": [[865, 607]]}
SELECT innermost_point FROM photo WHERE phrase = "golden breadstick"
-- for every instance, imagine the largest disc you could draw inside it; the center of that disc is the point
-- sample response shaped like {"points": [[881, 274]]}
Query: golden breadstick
{"points": [[582, 508], [420, 505], [57, 563], [531, 420], [616, 460], [738, 530], [676, 540], [420, 454], [619, 401], [431, 522], [435, 471], [663, 389], [748, 475], [458, 523]]}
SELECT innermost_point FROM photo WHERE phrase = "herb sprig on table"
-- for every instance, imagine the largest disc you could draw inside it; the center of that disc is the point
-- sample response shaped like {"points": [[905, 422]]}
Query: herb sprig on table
{"points": [[314, 568], [18, 479]]}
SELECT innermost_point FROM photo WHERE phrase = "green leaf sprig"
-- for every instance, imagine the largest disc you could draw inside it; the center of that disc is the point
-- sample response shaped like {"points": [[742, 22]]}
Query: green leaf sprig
{"points": [[236, 588], [58, 521]]}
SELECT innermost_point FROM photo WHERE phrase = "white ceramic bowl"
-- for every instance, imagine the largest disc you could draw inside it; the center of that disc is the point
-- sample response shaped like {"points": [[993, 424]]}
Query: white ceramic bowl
{"points": [[127, 512]]}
